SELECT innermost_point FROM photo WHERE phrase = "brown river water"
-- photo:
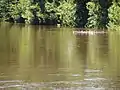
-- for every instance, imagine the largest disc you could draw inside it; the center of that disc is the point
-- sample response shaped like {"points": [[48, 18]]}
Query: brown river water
{"points": [[50, 58]]}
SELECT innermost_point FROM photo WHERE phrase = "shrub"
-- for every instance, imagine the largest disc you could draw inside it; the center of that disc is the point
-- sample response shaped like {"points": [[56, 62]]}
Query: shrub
{"points": [[67, 11], [64, 12], [25, 9], [114, 16], [94, 14], [4, 9]]}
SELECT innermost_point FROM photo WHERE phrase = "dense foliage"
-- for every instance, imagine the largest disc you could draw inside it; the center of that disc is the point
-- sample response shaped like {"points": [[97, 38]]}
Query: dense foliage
{"points": [[94, 13], [114, 16], [73, 13]]}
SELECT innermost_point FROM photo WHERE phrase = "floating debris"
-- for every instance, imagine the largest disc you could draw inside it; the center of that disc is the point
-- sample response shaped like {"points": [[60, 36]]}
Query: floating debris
{"points": [[88, 32]]}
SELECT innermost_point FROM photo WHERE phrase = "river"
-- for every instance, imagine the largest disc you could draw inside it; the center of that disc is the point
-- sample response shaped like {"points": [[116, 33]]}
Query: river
{"points": [[49, 58]]}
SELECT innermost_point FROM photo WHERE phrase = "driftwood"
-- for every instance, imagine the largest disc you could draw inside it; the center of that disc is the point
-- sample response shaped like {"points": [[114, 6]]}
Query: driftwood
{"points": [[88, 32]]}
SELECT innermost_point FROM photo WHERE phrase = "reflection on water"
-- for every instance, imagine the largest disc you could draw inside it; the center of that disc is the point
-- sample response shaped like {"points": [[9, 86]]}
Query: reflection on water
{"points": [[49, 58]]}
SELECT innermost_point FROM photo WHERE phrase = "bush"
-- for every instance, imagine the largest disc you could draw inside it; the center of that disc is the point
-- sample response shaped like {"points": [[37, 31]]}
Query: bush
{"points": [[114, 16], [67, 11], [24, 9], [63, 12], [94, 14], [4, 9]]}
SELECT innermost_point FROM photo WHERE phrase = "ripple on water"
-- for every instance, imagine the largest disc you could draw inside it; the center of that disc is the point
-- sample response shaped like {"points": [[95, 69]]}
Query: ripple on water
{"points": [[86, 84], [92, 71], [60, 85]]}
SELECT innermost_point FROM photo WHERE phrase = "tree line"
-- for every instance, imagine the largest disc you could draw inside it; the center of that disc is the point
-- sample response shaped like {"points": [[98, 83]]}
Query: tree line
{"points": [[73, 13]]}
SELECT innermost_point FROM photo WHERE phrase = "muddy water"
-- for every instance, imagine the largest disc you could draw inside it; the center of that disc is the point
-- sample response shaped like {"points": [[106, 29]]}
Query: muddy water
{"points": [[50, 58]]}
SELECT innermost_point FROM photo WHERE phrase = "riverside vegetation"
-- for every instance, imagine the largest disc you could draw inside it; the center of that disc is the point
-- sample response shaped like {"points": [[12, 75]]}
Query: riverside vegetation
{"points": [[72, 13]]}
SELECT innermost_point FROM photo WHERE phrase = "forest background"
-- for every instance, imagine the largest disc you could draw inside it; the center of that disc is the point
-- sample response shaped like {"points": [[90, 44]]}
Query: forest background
{"points": [[72, 13]]}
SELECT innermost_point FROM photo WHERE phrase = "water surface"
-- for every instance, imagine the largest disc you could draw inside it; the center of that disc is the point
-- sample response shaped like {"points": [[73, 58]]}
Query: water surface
{"points": [[50, 58]]}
